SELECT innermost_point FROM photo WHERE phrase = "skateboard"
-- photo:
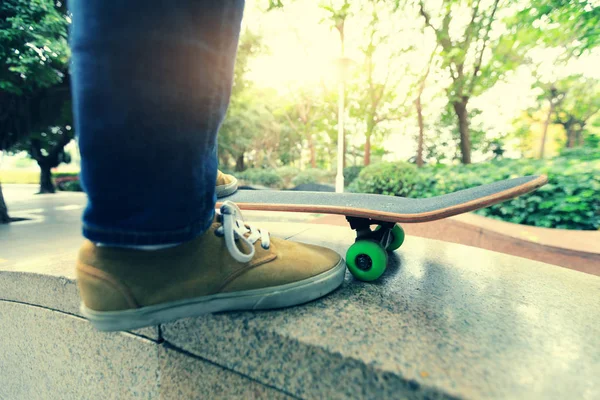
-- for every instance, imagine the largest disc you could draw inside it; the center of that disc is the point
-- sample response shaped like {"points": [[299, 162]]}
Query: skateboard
{"points": [[367, 257]]}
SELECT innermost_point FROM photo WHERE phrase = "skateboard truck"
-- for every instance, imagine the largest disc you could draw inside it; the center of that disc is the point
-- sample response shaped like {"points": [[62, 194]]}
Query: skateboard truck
{"points": [[362, 226], [367, 257]]}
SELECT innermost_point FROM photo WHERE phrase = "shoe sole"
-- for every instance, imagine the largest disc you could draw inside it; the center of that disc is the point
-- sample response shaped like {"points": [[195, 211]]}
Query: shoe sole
{"points": [[226, 190], [275, 297]]}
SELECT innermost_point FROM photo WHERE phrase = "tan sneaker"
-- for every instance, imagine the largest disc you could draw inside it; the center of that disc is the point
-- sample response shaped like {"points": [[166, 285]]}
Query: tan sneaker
{"points": [[226, 184], [232, 266]]}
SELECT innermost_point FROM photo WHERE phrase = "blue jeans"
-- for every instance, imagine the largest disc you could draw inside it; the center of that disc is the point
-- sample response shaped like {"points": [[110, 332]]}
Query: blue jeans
{"points": [[151, 82]]}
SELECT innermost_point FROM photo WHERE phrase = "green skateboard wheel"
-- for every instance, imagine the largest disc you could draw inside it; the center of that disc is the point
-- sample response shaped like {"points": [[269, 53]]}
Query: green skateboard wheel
{"points": [[366, 260], [397, 237]]}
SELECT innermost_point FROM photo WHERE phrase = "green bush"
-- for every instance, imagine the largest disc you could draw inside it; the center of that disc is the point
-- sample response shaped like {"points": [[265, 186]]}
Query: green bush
{"points": [[570, 200], [259, 176], [65, 174], [71, 186], [351, 173], [313, 175], [396, 179], [287, 174], [582, 153]]}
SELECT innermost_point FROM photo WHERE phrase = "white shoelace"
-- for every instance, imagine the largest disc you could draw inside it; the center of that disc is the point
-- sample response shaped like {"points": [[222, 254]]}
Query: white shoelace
{"points": [[234, 228]]}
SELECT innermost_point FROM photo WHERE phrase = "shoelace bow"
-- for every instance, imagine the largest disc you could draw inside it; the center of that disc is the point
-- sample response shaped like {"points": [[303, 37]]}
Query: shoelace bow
{"points": [[233, 228]]}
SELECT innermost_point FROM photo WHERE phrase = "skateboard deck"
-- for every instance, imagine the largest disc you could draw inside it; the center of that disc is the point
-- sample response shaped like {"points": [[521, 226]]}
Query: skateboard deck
{"points": [[386, 208], [367, 257]]}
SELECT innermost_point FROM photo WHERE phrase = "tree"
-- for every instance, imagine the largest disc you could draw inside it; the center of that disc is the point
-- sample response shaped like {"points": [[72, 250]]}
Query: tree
{"points": [[580, 105], [445, 146], [554, 98], [571, 102], [419, 109], [246, 114], [570, 24], [475, 60], [33, 56], [311, 114], [376, 87]]}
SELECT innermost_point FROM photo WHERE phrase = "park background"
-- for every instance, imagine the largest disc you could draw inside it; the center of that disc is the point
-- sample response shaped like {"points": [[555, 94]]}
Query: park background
{"points": [[437, 96]]}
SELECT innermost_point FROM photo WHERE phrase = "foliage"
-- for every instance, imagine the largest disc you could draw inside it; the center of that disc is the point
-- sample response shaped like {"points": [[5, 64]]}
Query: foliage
{"points": [[306, 114], [33, 60], [351, 173], [567, 109], [249, 116], [582, 153], [446, 147], [260, 176], [33, 46], [571, 199], [287, 174], [70, 186], [33, 56], [67, 181], [562, 23], [579, 104], [34, 86], [57, 175], [462, 51], [396, 179], [312, 175], [375, 96]]}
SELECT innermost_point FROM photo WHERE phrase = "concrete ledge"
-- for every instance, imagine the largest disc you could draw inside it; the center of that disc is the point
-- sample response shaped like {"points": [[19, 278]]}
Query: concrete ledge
{"points": [[51, 355], [445, 321]]}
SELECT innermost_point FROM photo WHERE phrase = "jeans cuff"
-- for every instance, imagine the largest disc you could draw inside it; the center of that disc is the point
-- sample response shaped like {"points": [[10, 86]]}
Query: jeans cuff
{"points": [[135, 238]]}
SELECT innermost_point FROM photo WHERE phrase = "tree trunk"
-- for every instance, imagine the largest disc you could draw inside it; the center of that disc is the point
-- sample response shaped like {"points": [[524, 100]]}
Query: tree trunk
{"points": [[579, 136], [368, 150], [313, 151], [239, 163], [46, 184], [421, 132], [4, 218], [46, 163], [460, 108], [570, 137], [545, 131], [224, 161]]}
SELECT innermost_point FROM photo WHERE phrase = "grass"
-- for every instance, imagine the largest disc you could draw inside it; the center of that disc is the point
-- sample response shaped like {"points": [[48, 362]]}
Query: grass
{"points": [[16, 176]]}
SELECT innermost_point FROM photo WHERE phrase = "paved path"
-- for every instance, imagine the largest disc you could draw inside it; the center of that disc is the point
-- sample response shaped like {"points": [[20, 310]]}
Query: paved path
{"points": [[54, 224]]}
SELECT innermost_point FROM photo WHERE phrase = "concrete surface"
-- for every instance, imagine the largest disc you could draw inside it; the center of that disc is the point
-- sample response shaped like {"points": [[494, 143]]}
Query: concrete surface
{"points": [[53, 224], [47, 355], [444, 321], [50, 355], [186, 377]]}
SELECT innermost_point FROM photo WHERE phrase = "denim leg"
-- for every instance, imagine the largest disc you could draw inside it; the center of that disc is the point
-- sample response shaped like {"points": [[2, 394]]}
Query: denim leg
{"points": [[151, 82]]}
